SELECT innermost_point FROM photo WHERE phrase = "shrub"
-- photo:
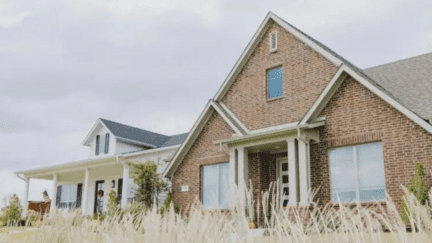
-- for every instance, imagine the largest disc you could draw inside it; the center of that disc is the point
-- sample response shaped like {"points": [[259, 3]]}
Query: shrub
{"points": [[167, 205], [13, 212], [149, 182], [417, 188], [112, 206]]}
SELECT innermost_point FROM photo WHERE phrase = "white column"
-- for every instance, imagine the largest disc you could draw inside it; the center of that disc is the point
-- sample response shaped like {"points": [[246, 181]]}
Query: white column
{"points": [[232, 172], [292, 171], [25, 203], [243, 176], [304, 172], [84, 203], [125, 190], [54, 193]]}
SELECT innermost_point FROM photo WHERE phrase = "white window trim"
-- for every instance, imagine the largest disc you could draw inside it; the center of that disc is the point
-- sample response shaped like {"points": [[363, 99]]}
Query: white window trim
{"points": [[268, 83], [357, 184], [218, 191], [271, 41]]}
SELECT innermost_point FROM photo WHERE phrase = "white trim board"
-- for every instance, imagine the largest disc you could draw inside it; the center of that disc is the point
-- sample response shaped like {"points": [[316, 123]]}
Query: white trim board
{"points": [[339, 77], [257, 38]]}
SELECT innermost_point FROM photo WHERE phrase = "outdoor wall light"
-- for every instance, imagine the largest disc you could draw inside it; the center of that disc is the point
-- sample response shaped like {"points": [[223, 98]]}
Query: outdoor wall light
{"points": [[112, 183]]}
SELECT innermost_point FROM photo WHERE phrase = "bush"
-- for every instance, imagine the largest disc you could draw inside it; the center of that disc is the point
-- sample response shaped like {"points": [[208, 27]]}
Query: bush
{"points": [[417, 188], [113, 206], [13, 212], [167, 204]]}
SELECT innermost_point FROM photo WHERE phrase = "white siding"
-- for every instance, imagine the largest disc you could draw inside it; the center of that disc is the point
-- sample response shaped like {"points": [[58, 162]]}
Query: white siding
{"points": [[122, 147], [101, 130]]}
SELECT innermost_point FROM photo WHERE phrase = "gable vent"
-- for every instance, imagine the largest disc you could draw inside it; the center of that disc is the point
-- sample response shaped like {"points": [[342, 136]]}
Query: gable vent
{"points": [[273, 41]]}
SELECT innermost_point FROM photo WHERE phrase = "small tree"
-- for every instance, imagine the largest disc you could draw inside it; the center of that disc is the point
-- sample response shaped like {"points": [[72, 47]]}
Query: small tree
{"points": [[13, 211], [112, 206], [149, 182], [417, 188]]}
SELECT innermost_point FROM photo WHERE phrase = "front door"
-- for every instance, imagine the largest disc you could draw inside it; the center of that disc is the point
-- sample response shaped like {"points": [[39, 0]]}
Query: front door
{"points": [[284, 180], [99, 187]]}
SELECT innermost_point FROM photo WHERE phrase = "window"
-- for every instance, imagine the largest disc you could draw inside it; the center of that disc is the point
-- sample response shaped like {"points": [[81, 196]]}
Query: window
{"points": [[274, 83], [215, 186], [106, 143], [97, 145], [273, 41], [357, 173], [68, 196]]}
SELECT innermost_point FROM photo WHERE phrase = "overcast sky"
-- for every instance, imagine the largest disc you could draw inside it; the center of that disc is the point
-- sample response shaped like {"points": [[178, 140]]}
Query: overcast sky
{"points": [[155, 64]]}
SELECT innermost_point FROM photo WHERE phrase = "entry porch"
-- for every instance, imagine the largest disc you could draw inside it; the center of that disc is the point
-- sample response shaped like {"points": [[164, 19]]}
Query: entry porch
{"points": [[75, 184]]}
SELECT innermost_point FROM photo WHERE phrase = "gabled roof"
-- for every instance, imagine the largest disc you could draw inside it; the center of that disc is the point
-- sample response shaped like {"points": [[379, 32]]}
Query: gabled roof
{"points": [[381, 86], [143, 137]]}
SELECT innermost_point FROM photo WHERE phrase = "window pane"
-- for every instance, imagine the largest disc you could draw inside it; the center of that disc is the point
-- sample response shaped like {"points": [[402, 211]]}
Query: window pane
{"points": [[102, 144], [371, 172], [210, 186], [342, 174], [224, 185], [275, 83], [69, 193]]}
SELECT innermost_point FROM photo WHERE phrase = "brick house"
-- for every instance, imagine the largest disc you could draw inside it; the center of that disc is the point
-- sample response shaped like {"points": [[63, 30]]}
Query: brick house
{"points": [[293, 110]]}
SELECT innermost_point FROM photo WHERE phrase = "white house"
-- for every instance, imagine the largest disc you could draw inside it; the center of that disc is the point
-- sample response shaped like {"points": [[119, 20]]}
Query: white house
{"points": [[111, 144]]}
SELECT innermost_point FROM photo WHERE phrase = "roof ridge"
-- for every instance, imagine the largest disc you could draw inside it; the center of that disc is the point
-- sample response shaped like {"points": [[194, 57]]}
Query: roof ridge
{"points": [[400, 60]]}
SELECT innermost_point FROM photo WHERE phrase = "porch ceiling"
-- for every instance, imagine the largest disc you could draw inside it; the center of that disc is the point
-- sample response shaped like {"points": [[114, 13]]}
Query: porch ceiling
{"points": [[73, 168], [276, 147]]}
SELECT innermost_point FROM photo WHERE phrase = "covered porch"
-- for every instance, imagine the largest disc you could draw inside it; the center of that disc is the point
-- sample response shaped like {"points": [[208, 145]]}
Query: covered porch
{"points": [[270, 155], [75, 184]]}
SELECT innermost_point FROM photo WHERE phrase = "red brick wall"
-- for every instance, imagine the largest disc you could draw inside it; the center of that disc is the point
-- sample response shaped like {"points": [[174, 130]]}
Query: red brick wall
{"points": [[202, 152], [356, 115], [305, 74]]}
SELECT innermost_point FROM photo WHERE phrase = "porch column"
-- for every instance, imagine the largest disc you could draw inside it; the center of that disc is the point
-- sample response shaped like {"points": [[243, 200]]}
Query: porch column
{"points": [[125, 189], [232, 171], [304, 171], [243, 174], [26, 194], [84, 204], [54, 194], [292, 171]]}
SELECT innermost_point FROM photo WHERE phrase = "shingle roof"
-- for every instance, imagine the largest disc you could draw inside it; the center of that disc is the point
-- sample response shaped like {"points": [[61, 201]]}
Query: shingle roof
{"points": [[175, 140], [410, 80], [144, 136]]}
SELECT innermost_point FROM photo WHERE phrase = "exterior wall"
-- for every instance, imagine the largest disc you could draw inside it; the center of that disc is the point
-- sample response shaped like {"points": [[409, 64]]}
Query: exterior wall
{"points": [[101, 130], [122, 147], [305, 74], [202, 152], [355, 115]]}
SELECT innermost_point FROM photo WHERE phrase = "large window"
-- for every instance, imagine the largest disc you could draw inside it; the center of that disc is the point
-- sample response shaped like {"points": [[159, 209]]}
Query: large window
{"points": [[68, 196], [215, 186], [357, 173], [274, 83]]}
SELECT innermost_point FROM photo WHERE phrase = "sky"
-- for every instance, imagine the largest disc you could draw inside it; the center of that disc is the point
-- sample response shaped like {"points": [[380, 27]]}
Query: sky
{"points": [[155, 64]]}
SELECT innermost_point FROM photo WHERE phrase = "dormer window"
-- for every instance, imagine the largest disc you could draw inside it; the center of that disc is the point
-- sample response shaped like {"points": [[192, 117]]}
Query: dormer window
{"points": [[102, 144], [273, 41], [106, 143], [97, 145]]}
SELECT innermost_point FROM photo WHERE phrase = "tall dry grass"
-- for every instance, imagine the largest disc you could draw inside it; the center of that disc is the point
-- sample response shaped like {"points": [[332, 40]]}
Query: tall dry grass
{"points": [[319, 224]]}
